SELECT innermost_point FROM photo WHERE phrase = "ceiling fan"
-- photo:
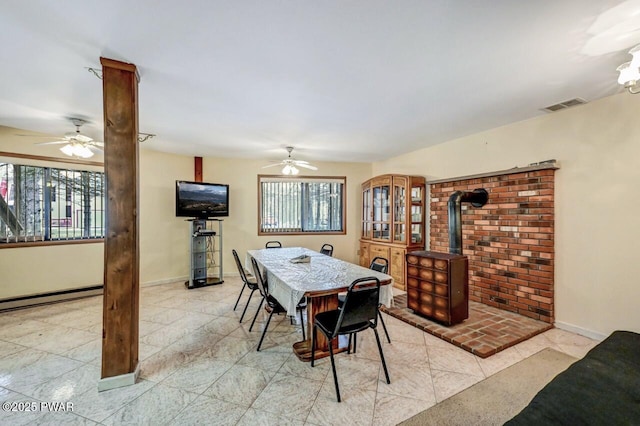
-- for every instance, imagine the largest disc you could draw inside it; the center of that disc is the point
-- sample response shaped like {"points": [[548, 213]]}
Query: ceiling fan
{"points": [[77, 144], [291, 165]]}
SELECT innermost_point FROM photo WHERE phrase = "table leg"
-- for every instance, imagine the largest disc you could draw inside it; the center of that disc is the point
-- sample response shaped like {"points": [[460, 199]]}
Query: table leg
{"points": [[303, 349]]}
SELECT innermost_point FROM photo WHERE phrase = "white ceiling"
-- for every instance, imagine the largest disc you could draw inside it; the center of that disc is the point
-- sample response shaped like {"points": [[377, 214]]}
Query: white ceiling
{"points": [[341, 80]]}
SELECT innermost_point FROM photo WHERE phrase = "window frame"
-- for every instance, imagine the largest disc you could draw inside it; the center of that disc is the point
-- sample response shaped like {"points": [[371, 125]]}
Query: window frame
{"points": [[53, 162], [299, 178]]}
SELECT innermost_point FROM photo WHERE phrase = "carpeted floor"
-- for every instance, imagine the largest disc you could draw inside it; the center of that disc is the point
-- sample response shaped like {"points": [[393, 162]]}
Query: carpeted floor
{"points": [[498, 398]]}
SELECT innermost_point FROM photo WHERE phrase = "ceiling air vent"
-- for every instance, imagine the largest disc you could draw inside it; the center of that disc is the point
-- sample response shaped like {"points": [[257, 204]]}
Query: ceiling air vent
{"points": [[565, 105]]}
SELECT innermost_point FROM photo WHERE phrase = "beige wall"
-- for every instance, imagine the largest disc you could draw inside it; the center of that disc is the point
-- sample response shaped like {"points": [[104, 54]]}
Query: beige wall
{"points": [[597, 146], [164, 238], [240, 228]]}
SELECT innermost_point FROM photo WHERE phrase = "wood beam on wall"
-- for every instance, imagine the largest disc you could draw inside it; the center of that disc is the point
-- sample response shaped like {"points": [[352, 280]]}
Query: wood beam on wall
{"points": [[121, 248], [197, 167]]}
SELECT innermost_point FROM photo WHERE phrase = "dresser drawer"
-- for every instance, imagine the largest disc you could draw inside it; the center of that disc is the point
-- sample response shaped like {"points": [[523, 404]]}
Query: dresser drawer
{"points": [[412, 260], [441, 290], [412, 282], [426, 286], [441, 277], [425, 298], [441, 315], [375, 250], [426, 274], [426, 262], [412, 271], [426, 310], [441, 302], [440, 264]]}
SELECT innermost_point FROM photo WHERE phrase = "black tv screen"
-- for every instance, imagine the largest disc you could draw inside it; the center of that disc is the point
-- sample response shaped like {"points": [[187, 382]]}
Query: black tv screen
{"points": [[201, 200]]}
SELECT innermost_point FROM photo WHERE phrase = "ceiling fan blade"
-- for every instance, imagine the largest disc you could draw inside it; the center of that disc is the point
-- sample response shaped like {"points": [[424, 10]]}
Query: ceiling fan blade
{"points": [[95, 148], [307, 166], [96, 143], [82, 138], [51, 143], [271, 165], [300, 162]]}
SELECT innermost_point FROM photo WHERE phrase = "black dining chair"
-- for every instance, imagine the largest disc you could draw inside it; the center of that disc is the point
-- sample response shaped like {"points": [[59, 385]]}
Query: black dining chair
{"points": [[379, 264], [248, 282], [273, 244], [274, 306], [327, 249], [358, 313]]}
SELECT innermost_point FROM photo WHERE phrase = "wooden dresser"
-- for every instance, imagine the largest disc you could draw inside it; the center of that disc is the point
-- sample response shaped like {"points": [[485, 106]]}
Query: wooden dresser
{"points": [[437, 286]]}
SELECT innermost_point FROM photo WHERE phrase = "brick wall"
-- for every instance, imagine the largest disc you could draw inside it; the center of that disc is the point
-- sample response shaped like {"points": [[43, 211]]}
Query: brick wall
{"points": [[509, 241]]}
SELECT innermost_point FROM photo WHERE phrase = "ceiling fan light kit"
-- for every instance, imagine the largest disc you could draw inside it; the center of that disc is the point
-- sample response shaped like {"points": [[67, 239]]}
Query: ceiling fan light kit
{"points": [[290, 165], [630, 72], [75, 149], [77, 144]]}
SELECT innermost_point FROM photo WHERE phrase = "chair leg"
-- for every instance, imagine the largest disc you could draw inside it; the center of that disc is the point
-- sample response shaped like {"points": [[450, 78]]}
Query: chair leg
{"points": [[247, 305], [349, 344], [384, 364], [355, 342], [384, 326], [333, 367], [239, 296], [302, 325], [256, 315], [314, 332], [265, 330]]}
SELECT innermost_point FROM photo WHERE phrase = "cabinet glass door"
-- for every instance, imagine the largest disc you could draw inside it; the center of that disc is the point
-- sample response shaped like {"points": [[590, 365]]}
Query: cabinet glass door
{"points": [[416, 233], [367, 213], [399, 213], [417, 214], [416, 194], [381, 212]]}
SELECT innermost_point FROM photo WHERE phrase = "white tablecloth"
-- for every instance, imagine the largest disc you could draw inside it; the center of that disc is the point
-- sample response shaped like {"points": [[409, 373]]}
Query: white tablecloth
{"points": [[289, 282]]}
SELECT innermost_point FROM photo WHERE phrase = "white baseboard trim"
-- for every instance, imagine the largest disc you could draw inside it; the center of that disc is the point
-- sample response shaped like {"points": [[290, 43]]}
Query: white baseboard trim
{"points": [[581, 331], [45, 298], [164, 281], [119, 381], [179, 279]]}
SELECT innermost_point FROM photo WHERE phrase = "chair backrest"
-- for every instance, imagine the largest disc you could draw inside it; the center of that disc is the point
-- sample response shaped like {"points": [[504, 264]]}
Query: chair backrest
{"points": [[327, 249], [273, 244], [243, 274], [262, 282], [379, 264], [360, 304]]}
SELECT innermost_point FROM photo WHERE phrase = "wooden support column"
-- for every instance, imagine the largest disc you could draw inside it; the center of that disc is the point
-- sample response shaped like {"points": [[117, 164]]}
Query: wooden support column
{"points": [[121, 245], [197, 168]]}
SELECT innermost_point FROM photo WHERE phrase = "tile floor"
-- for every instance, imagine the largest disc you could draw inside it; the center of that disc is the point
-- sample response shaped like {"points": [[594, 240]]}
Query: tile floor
{"points": [[199, 366]]}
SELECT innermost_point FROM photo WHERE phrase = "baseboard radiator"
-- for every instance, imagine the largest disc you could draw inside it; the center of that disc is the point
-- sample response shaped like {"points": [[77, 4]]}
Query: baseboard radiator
{"points": [[44, 298]]}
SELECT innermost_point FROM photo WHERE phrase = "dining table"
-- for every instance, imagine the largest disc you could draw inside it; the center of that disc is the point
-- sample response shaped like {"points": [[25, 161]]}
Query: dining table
{"points": [[320, 280]]}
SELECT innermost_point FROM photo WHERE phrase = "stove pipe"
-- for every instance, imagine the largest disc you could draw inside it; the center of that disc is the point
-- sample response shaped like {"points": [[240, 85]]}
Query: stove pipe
{"points": [[477, 198]]}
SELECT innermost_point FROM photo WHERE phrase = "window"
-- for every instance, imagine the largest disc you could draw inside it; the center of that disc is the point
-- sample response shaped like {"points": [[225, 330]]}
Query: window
{"points": [[50, 204], [301, 205]]}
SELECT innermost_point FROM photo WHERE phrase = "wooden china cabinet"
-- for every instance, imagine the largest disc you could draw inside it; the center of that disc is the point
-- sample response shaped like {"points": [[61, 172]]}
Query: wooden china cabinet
{"points": [[393, 209]]}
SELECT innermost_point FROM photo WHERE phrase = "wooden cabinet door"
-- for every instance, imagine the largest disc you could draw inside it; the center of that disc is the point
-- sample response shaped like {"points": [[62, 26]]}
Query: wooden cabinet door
{"points": [[365, 260], [396, 266]]}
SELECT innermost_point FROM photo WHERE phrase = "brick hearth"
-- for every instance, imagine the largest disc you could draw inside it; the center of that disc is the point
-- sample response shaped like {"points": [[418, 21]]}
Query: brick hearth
{"points": [[487, 330]]}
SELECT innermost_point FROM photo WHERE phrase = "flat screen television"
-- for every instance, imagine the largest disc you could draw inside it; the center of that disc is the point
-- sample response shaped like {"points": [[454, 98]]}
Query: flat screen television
{"points": [[201, 200]]}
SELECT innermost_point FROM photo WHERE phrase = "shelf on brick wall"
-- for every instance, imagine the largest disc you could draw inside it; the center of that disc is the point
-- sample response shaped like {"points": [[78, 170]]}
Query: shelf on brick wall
{"points": [[545, 166]]}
